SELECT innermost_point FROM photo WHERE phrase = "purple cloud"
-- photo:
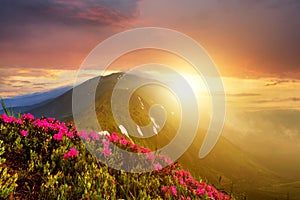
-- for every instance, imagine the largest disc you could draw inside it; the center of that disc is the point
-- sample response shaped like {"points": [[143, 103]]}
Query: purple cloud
{"points": [[16, 16]]}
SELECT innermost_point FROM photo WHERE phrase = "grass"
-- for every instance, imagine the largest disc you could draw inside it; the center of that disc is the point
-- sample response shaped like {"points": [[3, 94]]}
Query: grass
{"points": [[46, 159]]}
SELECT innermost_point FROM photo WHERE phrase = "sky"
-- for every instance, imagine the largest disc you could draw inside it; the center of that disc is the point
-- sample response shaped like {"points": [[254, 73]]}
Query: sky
{"points": [[254, 44], [245, 38]]}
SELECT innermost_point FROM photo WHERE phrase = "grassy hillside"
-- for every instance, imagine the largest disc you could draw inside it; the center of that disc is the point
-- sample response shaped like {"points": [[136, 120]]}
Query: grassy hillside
{"points": [[46, 159], [227, 166]]}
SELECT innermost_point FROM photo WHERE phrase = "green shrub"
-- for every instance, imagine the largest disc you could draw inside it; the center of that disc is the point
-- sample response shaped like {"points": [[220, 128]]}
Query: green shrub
{"points": [[7, 181]]}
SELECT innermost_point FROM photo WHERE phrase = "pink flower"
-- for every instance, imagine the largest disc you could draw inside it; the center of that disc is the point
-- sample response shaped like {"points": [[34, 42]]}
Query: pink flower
{"points": [[167, 160], [55, 126], [70, 134], [157, 167], [200, 191], [183, 198], [72, 153], [63, 128], [28, 116], [105, 142], [83, 135], [173, 190], [94, 136], [24, 133], [143, 150], [106, 151], [51, 120], [164, 189], [65, 156], [19, 121], [134, 147], [209, 194], [181, 182], [208, 188], [42, 123], [8, 119], [150, 156], [124, 142], [58, 136], [113, 137]]}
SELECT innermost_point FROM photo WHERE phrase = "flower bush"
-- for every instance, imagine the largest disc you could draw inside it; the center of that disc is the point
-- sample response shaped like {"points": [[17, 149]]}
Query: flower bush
{"points": [[46, 159]]}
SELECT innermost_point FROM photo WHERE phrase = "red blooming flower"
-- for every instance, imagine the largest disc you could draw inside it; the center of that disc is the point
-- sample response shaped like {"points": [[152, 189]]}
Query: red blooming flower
{"points": [[19, 121], [157, 167], [83, 135], [164, 189], [24, 133], [124, 142], [173, 190], [28, 116], [58, 136], [94, 136], [106, 151], [113, 137], [72, 153], [70, 134], [8, 119]]}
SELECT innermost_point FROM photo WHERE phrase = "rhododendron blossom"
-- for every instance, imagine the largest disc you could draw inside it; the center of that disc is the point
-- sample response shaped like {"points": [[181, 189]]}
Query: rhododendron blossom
{"points": [[58, 136], [8, 119], [113, 137], [70, 134], [83, 135], [19, 121], [164, 189], [157, 167], [24, 133], [106, 150], [72, 153], [27, 116], [173, 190], [94, 136]]}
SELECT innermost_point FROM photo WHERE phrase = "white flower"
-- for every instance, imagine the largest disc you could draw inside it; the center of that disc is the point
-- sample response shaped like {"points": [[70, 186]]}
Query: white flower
{"points": [[105, 133], [123, 130]]}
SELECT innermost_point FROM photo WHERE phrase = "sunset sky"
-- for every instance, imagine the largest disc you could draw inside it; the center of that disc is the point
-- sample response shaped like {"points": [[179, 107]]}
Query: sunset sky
{"points": [[255, 44], [245, 38]]}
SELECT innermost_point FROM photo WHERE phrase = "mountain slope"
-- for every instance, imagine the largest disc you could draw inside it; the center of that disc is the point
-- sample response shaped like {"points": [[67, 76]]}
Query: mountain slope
{"points": [[227, 166]]}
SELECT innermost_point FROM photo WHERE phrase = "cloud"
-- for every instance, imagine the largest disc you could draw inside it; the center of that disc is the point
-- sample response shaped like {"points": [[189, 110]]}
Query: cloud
{"points": [[103, 12], [17, 81], [18, 16], [260, 35], [278, 100], [242, 94], [275, 82]]}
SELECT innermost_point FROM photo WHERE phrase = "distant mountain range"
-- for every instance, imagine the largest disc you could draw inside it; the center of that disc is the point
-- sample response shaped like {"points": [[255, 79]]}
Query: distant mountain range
{"points": [[27, 102], [227, 166]]}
